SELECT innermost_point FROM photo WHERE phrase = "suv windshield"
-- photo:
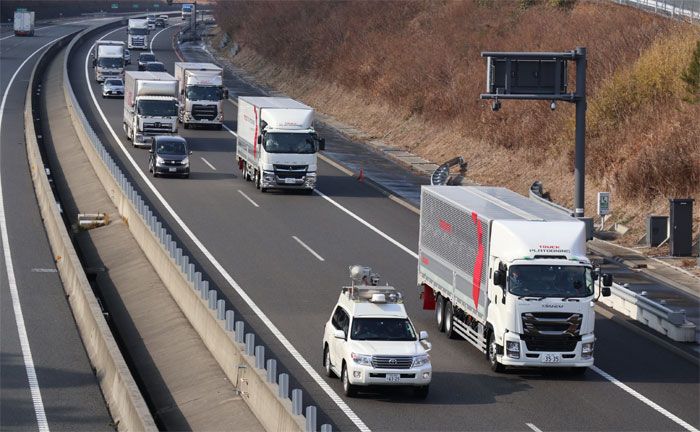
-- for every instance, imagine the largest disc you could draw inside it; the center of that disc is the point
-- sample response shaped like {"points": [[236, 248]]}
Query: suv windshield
{"points": [[110, 62], [382, 329], [155, 67], [171, 147], [159, 108], [147, 57], [289, 143], [550, 281], [114, 82], [209, 93]]}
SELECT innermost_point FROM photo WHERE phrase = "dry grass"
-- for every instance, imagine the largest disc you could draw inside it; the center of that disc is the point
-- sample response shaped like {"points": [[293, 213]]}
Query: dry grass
{"points": [[410, 72]]}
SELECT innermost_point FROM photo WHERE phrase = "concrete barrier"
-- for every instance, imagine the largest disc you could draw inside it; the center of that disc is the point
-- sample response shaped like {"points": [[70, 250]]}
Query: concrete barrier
{"points": [[207, 315], [125, 402]]}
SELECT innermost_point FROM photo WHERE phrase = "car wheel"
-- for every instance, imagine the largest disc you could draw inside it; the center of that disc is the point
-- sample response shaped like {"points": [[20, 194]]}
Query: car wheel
{"points": [[348, 389], [327, 362], [578, 371], [491, 351], [219, 127], [422, 391], [440, 313], [449, 320]]}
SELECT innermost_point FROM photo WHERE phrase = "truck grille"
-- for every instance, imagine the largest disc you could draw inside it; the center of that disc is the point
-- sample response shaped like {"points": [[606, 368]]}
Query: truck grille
{"points": [[551, 331], [156, 127], [392, 362], [290, 171], [204, 112]]}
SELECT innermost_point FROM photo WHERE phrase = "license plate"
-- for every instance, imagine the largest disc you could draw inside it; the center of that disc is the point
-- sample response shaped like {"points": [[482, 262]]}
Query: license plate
{"points": [[172, 169], [550, 358], [290, 180], [393, 377]]}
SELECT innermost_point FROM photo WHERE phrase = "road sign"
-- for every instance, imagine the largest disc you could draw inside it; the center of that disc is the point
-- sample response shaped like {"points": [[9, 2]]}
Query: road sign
{"points": [[603, 203], [135, 5], [115, 5], [524, 76], [156, 5]]}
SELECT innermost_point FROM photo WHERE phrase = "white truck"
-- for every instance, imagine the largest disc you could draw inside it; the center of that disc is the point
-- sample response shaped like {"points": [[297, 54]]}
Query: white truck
{"points": [[509, 275], [202, 94], [138, 34], [187, 10], [276, 143], [151, 20], [24, 23], [108, 60], [150, 106]]}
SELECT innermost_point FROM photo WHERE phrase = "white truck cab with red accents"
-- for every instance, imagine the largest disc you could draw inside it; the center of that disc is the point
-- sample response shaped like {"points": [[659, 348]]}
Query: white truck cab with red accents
{"points": [[509, 275]]}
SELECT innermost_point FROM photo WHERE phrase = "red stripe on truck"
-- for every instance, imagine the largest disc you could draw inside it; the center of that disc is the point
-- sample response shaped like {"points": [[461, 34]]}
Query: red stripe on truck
{"points": [[255, 136], [445, 226], [478, 262]]}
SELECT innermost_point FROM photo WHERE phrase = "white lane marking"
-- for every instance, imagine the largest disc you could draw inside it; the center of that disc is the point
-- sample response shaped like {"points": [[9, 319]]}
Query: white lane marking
{"points": [[56, 25], [44, 270], [533, 427], [368, 225], [232, 132], [415, 255], [305, 246], [34, 389], [156, 35], [339, 402], [248, 198], [207, 162], [644, 399]]}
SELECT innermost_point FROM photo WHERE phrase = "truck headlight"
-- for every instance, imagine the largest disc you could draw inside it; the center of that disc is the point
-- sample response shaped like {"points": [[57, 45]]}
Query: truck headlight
{"points": [[513, 349], [361, 359], [587, 350], [420, 360], [159, 160], [269, 176]]}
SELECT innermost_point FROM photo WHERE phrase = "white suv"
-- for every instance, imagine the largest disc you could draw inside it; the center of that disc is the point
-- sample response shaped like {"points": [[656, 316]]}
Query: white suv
{"points": [[369, 340]]}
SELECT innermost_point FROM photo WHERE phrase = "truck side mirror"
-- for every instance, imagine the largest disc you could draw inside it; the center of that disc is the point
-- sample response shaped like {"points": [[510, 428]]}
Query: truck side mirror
{"points": [[607, 280], [605, 291], [499, 278], [94, 62], [322, 144], [259, 139], [225, 93]]}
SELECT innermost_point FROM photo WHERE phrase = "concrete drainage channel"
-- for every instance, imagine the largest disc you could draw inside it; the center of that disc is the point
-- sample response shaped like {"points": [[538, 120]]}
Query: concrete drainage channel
{"points": [[125, 403], [266, 392]]}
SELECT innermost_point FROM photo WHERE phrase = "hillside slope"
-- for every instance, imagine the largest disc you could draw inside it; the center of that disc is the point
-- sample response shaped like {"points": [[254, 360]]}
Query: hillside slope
{"points": [[409, 73]]}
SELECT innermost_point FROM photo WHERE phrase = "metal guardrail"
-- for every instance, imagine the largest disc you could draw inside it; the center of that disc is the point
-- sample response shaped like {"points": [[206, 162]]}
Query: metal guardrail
{"points": [[187, 269], [626, 300], [678, 9]]}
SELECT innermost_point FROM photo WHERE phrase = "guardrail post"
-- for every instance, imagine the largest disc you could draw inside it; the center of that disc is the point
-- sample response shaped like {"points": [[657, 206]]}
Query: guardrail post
{"points": [[230, 323], [283, 382], [271, 368], [178, 257], [260, 357], [310, 418], [185, 262], [220, 309], [240, 329], [190, 273], [197, 283], [212, 299], [297, 401], [326, 428], [250, 344], [204, 292]]}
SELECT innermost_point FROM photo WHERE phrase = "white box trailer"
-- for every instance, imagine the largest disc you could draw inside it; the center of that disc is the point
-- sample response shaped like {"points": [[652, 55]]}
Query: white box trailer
{"points": [[24, 23], [150, 106], [508, 274], [276, 144], [202, 93]]}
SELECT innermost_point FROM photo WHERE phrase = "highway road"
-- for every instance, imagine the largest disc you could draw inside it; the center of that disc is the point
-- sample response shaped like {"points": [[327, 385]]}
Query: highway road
{"points": [[247, 241], [46, 381]]}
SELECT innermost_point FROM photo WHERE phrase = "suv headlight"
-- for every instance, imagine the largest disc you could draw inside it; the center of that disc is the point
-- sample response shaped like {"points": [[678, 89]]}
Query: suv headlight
{"points": [[186, 161], [420, 360], [587, 350], [361, 359], [513, 349]]}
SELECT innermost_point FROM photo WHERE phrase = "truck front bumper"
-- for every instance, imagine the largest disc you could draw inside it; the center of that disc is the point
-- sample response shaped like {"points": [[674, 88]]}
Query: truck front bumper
{"points": [[528, 358], [367, 375], [270, 180]]}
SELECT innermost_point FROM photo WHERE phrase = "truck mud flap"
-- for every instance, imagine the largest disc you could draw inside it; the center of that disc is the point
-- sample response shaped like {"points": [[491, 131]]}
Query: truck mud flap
{"points": [[428, 298]]}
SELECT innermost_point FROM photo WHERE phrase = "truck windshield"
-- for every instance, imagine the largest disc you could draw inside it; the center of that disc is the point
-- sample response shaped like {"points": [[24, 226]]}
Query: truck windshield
{"points": [[138, 31], [301, 143], [382, 329], [110, 62], [157, 108], [550, 281], [209, 93]]}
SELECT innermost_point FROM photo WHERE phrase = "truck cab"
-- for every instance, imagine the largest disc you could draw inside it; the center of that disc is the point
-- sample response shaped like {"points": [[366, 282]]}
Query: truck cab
{"points": [[151, 20], [202, 94], [138, 32], [150, 106], [108, 60], [369, 339]]}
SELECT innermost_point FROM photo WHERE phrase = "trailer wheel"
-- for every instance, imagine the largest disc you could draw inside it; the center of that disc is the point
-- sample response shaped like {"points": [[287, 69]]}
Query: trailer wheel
{"points": [[492, 349], [449, 320], [440, 313]]}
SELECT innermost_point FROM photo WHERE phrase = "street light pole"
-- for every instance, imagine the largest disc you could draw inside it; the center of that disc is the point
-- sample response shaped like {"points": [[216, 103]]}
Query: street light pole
{"points": [[580, 150]]}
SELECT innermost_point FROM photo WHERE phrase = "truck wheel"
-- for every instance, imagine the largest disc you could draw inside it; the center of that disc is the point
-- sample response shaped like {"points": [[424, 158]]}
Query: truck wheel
{"points": [[491, 351], [440, 313], [422, 391], [126, 131], [449, 320], [348, 389], [578, 371], [219, 127], [187, 125], [327, 362]]}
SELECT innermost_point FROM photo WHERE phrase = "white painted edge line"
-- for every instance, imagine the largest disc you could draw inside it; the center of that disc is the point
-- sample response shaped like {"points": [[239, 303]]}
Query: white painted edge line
{"points": [[57, 25], [533, 427], [340, 403], [305, 246], [44, 270], [207, 162], [248, 198], [34, 389], [644, 399]]}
